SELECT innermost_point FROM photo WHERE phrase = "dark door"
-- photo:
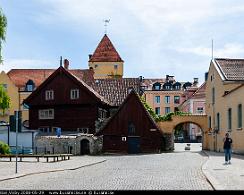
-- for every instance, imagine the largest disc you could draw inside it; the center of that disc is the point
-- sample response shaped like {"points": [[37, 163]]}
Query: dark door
{"points": [[133, 145], [84, 147]]}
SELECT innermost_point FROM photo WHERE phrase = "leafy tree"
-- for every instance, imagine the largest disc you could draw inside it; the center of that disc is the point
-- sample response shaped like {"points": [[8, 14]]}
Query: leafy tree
{"points": [[3, 26], [4, 148], [4, 99]]}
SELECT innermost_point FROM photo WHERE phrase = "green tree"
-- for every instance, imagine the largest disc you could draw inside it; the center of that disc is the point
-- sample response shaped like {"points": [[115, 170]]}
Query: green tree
{"points": [[3, 27], [4, 99], [4, 148]]}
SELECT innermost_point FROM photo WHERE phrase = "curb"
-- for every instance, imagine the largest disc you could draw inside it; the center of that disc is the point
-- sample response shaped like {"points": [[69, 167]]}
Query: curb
{"points": [[51, 171], [211, 180]]}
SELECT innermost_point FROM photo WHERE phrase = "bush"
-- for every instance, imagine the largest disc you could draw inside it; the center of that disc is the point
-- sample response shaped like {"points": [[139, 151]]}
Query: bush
{"points": [[4, 148]]}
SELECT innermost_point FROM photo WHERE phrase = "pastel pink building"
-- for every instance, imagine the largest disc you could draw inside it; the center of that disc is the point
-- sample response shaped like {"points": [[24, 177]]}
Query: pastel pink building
{"points": [[194, 103]]}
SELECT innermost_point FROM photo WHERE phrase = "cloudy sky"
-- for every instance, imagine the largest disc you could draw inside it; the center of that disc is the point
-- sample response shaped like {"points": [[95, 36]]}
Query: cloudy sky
{"points": [[153, 37]]}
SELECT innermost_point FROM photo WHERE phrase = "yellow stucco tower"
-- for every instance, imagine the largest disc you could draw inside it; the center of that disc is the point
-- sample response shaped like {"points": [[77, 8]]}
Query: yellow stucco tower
{"points": [[106, 61]]}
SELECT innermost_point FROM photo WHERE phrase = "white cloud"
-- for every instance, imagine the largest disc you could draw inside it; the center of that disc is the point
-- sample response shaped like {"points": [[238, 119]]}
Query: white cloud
{"points": [[152, 35], [9, 64], [230, 50]]}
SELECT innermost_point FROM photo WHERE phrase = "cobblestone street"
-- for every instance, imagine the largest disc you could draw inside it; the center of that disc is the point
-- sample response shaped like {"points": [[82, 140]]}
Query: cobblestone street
{"points": [[168, 171]]}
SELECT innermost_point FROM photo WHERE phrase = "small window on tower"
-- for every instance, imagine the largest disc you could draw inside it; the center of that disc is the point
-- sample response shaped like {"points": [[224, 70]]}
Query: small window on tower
{"points": [[116, 66], [96, 65]]}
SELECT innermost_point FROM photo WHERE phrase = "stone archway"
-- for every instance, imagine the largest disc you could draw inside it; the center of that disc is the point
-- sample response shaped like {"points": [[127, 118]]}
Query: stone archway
{"points": [[84, 147], [167, 128]]}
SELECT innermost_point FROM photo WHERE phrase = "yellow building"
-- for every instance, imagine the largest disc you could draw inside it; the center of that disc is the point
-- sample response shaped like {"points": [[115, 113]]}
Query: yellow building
{"points": [[106, 61], [12, 92], [225, 103]]}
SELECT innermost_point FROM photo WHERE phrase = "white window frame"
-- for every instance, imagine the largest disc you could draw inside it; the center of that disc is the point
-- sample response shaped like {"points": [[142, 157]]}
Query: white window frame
{"points": [[46, 114], [200, 110], [74, 94], [49, 95]]}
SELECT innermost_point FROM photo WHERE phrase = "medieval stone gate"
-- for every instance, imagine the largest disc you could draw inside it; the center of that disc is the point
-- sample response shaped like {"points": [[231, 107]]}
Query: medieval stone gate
{"points": [[167, 128]]}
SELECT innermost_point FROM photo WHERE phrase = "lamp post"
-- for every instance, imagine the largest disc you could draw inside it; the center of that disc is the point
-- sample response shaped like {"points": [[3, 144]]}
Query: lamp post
{"points": [[16, 113]]}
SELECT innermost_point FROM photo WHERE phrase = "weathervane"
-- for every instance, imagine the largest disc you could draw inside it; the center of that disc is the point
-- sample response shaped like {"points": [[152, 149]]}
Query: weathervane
{"points": [[106, 24]]}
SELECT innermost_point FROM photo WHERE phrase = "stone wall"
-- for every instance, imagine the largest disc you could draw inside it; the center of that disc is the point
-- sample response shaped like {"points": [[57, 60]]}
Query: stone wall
{"points": [[67, 144], [169, 142]]}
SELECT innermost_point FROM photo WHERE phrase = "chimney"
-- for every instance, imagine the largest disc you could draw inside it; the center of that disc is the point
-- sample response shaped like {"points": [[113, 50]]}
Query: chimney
{"points": [[90, 55], [66, 64], [195, 81], [206, 76]]}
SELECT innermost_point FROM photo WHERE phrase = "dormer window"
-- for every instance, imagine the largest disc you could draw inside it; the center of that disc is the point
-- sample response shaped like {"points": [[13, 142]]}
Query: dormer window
{"points": [[30, 85], [156, 86], [177, 86], [49, 95], [74, 94], [167, 86]]}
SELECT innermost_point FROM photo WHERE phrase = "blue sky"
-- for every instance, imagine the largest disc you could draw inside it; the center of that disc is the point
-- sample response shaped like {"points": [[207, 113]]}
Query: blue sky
{"points": [[153, 37]]}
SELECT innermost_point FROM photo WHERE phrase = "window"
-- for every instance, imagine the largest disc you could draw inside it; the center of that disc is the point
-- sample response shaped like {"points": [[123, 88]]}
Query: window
{"points": [[176, 99], [131, 129], [167, 110], [167, 87], [74, 94], [229, 118], [96, 65], [213, 95], [115, 66], [239, 114], [157, 99], [84, 130], [46, 114], [209, 122], [218, 121], [49, 95], [102, 114], [167, 99], [177, 87], [200, 110], [29, 86], [156, 86], [157, 110]]}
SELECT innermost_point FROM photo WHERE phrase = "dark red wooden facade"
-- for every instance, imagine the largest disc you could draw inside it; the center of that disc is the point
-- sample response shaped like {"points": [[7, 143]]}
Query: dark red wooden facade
{"points": [[68, 114], [131, 125]]}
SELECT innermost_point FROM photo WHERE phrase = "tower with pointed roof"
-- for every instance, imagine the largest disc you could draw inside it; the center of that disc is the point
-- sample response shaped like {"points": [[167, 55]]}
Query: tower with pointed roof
{"points": [[106, 61]]}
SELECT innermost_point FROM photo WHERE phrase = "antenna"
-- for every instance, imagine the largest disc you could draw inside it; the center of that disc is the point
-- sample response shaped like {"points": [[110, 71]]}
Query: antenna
{"points": [[212, 49], [61, 60], [106, 21]]}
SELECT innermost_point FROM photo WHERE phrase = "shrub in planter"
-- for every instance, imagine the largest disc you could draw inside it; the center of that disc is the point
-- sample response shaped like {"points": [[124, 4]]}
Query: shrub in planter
{"points": [[4, 148]]}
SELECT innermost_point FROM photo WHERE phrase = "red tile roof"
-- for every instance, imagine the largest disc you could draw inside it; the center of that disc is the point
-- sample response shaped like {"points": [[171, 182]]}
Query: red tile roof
{"points": [[116, 90], [21, 76], [231, 69], [105, 52], [200, 92]]}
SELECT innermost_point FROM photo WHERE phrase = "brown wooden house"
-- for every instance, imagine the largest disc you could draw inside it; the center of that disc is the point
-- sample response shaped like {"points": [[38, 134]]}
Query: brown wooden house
{"points": [[65, 101], [131, 129]]}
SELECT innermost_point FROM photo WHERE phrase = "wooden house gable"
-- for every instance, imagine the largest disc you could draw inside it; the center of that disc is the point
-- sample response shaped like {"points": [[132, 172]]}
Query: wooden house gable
{"points": [[62, 88]]}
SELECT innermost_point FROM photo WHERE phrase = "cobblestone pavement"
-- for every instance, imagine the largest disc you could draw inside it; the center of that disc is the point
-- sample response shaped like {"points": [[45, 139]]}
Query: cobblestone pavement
{"points": [[168, 171]]}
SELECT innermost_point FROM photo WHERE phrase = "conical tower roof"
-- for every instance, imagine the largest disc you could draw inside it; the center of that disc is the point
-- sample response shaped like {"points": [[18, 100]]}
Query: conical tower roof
{"points": [[105, 52]]}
